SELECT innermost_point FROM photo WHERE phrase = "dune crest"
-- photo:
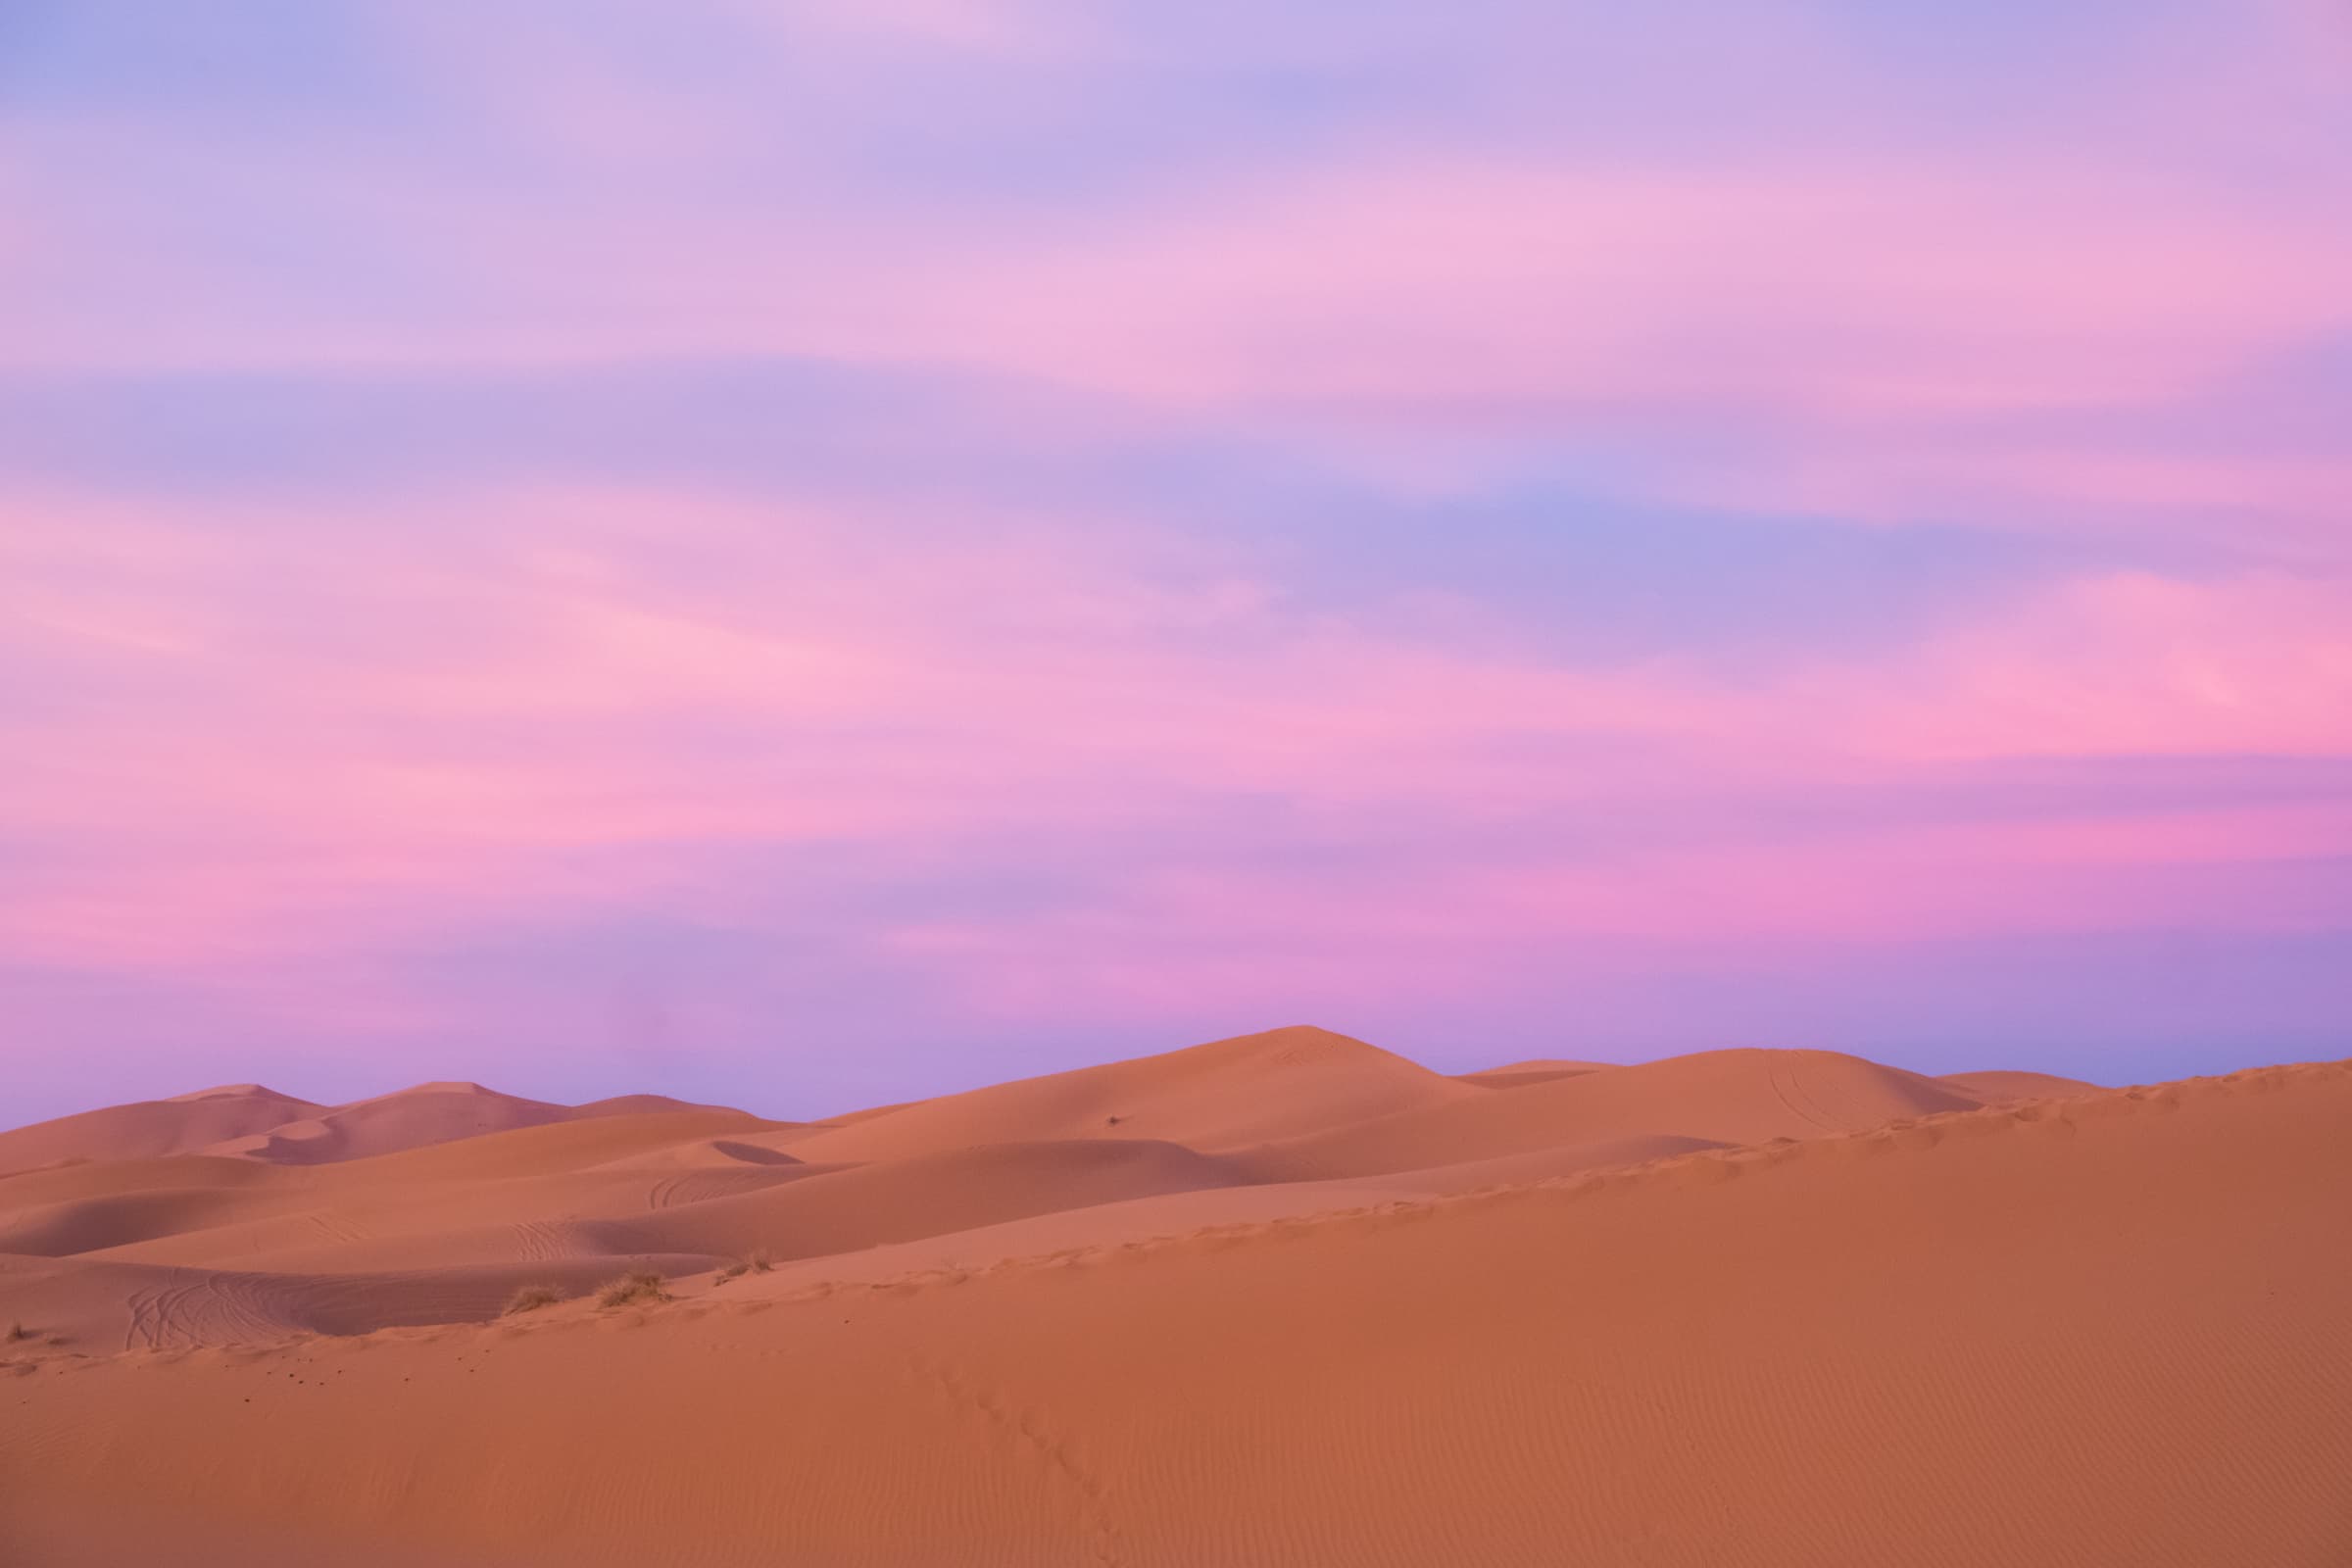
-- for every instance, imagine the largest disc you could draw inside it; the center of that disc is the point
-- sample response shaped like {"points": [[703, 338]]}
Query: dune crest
{"points": [[2003, 1086], [248, 1122], [1536, 1070], [1222, 1095]]}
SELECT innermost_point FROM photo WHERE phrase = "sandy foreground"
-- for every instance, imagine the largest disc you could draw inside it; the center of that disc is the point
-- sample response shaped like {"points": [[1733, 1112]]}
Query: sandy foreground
{"points": [[1280, 1299]]}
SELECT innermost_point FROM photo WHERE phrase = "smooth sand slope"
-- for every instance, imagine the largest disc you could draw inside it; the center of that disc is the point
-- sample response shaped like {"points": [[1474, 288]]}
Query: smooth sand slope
{"points": [[1743, 1308]]}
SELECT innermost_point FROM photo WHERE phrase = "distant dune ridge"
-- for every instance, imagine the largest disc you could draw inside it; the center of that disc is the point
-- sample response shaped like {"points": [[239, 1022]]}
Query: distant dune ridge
{"points": [[250, 1121], [1281, 1298]]}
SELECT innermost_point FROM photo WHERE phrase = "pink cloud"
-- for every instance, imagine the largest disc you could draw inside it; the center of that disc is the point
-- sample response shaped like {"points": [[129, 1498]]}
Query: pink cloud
{"points": [[276, 786], [2119, 664], [1259, 940]]}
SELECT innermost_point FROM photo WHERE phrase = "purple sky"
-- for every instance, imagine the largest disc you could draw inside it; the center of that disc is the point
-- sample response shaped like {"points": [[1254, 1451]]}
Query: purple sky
{"points": [[804, 554]]}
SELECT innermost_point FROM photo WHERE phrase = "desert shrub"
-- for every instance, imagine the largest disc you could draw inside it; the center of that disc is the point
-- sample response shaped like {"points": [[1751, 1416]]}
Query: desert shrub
{"points": [[756, 1262], [630, 1287], [532, 1298], [18, 1331]]}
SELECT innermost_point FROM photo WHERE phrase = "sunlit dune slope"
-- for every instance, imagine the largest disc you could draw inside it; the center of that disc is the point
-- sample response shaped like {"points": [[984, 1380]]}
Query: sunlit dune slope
{"points": [[1228, 1092]]}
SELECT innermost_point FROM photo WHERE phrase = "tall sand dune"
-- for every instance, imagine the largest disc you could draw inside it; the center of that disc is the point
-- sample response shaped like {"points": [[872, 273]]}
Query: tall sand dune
{"points": [[1228, 1092]]}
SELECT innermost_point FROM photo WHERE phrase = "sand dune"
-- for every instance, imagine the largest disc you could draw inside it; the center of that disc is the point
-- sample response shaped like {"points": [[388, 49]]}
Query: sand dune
{"points": [[1728, 1097], [540, 1150], [848, 1209], [429, 1114], [1996, 1087], [1223, 1095], [1754, 1308], [151, 1128], [250, 1122], [447, 1202], [712, 1216]]}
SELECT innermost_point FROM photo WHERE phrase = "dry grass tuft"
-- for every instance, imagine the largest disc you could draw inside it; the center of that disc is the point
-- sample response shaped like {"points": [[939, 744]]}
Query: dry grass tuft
{"points": [[756, 1264], [632, 1288], [532, 1298]]}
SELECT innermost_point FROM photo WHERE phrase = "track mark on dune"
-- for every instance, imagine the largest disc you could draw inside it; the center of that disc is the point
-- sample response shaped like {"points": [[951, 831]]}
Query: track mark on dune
{"points": [[1788, 1091], [212, 1308], [1032, 1436], [139, 1301], [153, 1317]]}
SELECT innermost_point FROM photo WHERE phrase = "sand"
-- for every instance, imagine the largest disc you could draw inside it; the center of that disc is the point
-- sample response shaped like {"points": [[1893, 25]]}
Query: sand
{"points": [[1301, 1302]]}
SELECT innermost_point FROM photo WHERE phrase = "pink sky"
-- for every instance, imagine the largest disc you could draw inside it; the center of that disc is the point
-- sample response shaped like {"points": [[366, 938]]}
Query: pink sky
{"points": [[829, 552]]}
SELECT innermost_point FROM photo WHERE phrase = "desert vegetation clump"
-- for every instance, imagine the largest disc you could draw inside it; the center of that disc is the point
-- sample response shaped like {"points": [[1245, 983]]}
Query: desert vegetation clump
{"points": [[18, 1331], [532, 1298], [758, 1262], [639, 1287]]}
